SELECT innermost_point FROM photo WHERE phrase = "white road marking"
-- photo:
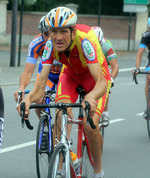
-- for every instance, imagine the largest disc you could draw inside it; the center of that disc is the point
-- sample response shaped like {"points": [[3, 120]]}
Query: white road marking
{"points": [[12, 148], [129, 69], [116, 120], [140, 114], [23, 145]]}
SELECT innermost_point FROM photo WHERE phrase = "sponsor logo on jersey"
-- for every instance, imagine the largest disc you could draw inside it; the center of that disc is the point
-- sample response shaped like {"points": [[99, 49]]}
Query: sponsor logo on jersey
{"points": [[88, 50], [110, 51], [47, 51], [34, 43]]}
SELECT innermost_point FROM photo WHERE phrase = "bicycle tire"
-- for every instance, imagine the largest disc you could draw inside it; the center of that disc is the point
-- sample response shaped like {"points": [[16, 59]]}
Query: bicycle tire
{"points": [[54, 162], [87, 168], [42, 157], [148, 114]]}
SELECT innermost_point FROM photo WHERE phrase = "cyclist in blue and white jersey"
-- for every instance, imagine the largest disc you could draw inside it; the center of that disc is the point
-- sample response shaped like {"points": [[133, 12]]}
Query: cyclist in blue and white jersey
{"points": [[111, 57], [145, 42], [35, 51]]}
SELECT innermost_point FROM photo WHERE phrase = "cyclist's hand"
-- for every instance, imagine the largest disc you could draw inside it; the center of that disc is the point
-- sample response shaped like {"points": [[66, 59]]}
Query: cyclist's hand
{"points": [[92, 103], [16, 94], [135, 71], [27, 105], [112, 80]]}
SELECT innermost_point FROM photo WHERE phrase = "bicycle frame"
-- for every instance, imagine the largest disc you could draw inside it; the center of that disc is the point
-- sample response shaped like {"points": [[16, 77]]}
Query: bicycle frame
{"points": [[81, 139], [64, 142], [81, 133], [48, 113]]}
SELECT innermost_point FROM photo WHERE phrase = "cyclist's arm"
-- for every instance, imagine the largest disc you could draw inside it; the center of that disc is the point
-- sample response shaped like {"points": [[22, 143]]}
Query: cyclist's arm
{"points": [[25, 78], [38, 91], [115, 67], [139, 57], [100, 88]]}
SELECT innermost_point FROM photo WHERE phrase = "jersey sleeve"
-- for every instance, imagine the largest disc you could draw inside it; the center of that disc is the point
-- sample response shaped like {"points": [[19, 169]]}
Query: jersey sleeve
{"points": [[143, 42], [47, 58], [111, 54], [35, 49], [89, 52]]}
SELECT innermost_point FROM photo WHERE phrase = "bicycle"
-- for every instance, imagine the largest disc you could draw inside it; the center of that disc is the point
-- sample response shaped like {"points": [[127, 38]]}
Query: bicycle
{"points": [[148, 101], [62, 149], [44, 139]]}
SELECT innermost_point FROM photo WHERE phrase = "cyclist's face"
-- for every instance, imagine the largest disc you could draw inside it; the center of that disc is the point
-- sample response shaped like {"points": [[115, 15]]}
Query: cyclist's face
{"points": [[61, 38]]}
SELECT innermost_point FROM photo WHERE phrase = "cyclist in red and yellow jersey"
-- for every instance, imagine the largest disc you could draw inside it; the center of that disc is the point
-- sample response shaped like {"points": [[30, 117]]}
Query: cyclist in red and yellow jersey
{"points": [[77, 47]]}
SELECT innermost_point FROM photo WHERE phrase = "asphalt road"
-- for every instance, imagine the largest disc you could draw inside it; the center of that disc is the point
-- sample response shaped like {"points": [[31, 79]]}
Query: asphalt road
{"points": [[126, 144]]}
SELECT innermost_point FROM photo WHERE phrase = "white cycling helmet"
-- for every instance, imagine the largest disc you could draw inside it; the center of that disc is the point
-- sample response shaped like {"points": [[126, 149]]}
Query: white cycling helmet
{"points": [[42, 27], [99, 33], [61, 17], [148, 22]]}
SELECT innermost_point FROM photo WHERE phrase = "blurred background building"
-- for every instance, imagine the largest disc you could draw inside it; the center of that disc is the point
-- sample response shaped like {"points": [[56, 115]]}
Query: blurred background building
{"points": [[115, 28]]}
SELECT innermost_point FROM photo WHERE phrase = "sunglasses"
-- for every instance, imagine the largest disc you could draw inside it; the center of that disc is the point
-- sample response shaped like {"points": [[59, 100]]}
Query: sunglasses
{"points": [[46, 33]]}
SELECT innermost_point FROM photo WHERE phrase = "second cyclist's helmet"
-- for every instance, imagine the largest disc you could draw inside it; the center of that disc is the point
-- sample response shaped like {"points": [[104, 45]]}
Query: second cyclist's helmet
{"points": [[42, 27], [99, 33], [61, 17]]}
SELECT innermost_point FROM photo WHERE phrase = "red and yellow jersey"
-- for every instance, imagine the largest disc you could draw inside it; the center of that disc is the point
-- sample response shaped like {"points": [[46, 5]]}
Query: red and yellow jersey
{"points": [[35, 49], [84, 50]]}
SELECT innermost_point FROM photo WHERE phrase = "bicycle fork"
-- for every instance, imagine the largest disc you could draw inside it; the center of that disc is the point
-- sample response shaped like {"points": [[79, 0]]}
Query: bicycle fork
{"points": [[64, 123]]}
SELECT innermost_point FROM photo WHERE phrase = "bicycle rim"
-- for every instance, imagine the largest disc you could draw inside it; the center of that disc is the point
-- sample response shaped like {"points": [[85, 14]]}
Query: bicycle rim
{"points": [[42, 156], [54, 166], [87, 168], [148, 114]]}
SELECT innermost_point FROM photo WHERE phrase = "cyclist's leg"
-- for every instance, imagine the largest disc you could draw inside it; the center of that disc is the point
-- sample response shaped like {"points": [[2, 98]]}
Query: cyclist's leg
{"points": [[1, 116], [147, 69], [50, 85], [57, 126], [94, 136], [104, 120], [95, 143], [66, 92]]}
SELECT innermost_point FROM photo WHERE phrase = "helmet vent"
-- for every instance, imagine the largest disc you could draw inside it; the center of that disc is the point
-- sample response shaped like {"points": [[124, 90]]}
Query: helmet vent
{"points": [[67, 16], [50, 15], [60, 21], [53, 20]]}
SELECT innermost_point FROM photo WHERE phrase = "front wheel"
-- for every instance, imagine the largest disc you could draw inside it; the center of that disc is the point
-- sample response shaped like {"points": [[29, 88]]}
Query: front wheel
{"points": [[87, 168], [59, 163], [42, 147]]}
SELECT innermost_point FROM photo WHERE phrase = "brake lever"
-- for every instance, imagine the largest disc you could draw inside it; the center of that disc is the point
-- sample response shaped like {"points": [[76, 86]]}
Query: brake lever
{"points": [[29, 126], [89, 120]]}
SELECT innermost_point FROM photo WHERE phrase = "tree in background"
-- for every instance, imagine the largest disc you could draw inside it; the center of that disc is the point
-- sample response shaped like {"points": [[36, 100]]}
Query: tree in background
{"points": [[108, 7]]}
